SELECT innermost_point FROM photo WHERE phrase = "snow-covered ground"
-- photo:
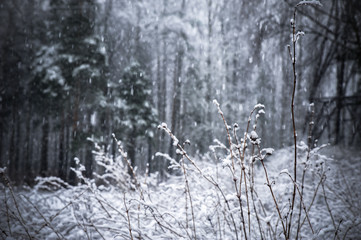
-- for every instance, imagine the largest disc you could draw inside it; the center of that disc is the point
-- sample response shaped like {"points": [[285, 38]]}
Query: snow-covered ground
{"points": [[204, 205]]}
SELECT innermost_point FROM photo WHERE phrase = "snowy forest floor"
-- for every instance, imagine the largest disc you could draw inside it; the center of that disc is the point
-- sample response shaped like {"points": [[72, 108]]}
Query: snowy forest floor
{"points": [[194, 207]]}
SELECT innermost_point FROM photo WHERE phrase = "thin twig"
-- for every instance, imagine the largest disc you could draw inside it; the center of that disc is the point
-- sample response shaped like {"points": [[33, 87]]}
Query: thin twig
{"points": [[337, 229], [128, 218], [60, 236], [96, 229], [313, 199], [190, 197], [328, 206], [301, 201], [243, 172], [233, 168], [309, 137], [273, 196], [125, 157], [58, 213], [7, 211], [21, 220], [206, 177]]}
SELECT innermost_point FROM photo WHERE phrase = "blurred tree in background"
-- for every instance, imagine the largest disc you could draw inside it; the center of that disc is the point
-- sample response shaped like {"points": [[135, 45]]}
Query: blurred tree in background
{"points": [[139, 118]]}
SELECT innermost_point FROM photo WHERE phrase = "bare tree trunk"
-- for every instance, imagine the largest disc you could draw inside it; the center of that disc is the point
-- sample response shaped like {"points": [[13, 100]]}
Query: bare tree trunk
{"points": [[2, 163], [13, 165], [150, 150], [74, 137], [89, 154], [61, 169], [286, 91], [67, 151], [19, 170], [28, 164], [44, 147], [177, 84], [131, 146], [339, 98]]}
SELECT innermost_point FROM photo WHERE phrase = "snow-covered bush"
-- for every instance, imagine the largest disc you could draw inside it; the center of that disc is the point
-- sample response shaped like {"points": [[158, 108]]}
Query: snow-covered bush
{"points": [[245, 190]]}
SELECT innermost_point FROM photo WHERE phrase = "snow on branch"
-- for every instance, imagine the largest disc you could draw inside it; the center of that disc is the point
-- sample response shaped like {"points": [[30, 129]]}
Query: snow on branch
{"points": [[310, 2]]}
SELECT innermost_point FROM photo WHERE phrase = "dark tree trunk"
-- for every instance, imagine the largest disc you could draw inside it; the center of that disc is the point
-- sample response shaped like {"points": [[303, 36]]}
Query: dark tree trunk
{"points": [[28, 146], [44, 147], [74, 137], [286, 92], [176, 96], [2, 163], [67, 151], [89, 147], [89, 160], [131, 146], [340, 95], [72, 175], [61, 163], [18, 169], [13, 165], [150, 149], [114, 149]]}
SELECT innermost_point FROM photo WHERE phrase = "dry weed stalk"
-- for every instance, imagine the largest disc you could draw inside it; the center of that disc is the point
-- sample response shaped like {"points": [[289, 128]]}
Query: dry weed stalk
{"points": [[209, 178], [20, 217], [125, 157], [293, 59], [187, 190], [292, 54], [128, 217], [233, 170], [48, 223], [269, 185], [309, 143]]}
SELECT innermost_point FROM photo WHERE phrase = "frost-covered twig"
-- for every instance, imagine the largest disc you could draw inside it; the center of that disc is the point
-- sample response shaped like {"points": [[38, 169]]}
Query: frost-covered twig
{"points": [[61, 210], [96, 229], [48, 224], [206, 177], [227, 129], [309, 143], [309, 2], [233, 168], [246, 132], [328, 207], [273, 195], [124, 155], [252, 194], [7, 211], [243, 175], [293, 59], [349, 228], [313, 198], [302, 205], [190, 197], [20, 218]]}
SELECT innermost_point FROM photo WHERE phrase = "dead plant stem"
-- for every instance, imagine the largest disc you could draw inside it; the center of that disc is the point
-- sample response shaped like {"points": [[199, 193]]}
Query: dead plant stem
{"points": [[128, 217], [293, 119], [274, 198], [190, 198]]}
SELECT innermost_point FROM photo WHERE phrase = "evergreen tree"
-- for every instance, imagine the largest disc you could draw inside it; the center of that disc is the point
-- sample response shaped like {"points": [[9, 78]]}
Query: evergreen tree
{"points": [[69, 77], [139, 116]]}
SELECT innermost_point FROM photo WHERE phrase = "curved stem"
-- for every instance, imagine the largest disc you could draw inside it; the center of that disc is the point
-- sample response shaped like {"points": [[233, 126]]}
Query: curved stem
{"points": [[293, 118]]}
